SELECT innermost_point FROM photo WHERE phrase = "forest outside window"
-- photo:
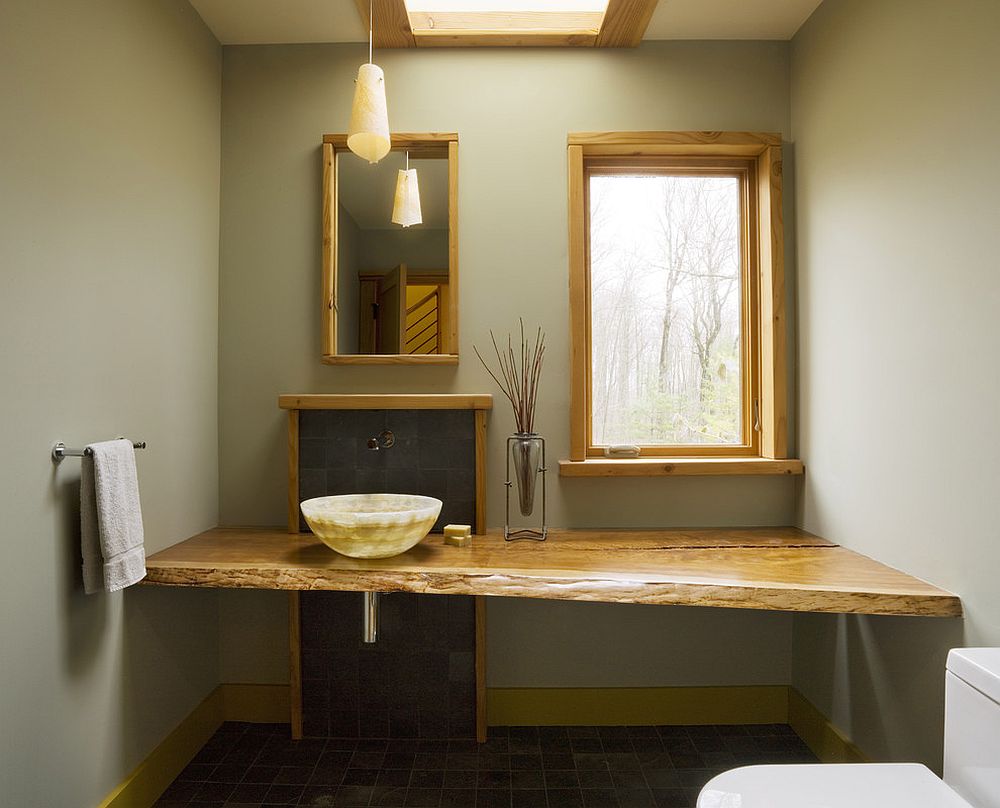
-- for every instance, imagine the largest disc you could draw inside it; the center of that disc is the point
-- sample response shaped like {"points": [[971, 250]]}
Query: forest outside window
{"points": [[677, 303]]}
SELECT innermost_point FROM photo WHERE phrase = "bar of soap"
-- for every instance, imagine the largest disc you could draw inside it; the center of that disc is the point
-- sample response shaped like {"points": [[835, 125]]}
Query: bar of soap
{"points": [[458, 535]]}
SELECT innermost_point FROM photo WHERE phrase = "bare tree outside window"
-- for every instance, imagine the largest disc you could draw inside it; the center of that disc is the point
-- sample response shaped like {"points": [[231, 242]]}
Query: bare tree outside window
{"points": [[665, 274]]}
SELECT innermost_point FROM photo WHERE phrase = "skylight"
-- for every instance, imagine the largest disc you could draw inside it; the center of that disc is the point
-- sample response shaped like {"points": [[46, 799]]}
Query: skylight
{"points": [[507, 23], [523, 20], [487, 6]]}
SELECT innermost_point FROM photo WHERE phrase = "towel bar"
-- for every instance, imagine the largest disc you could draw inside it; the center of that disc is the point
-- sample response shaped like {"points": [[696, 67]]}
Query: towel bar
{"points": [[60, 450]]}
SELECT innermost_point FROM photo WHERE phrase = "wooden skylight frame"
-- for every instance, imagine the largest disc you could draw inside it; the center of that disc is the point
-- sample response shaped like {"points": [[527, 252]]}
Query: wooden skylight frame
{"points": [[621, 25]]}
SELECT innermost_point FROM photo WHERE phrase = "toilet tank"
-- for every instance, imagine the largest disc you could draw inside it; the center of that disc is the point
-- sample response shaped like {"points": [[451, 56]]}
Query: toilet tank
{"points": [[972, 725]]}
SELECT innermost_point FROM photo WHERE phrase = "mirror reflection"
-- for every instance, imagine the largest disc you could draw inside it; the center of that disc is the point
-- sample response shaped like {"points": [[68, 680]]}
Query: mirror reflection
{"points": [[392, 281]]}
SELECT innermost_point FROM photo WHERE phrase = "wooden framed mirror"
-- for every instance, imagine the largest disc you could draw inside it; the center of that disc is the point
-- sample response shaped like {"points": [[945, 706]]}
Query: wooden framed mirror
{"points": [[390, 293]]}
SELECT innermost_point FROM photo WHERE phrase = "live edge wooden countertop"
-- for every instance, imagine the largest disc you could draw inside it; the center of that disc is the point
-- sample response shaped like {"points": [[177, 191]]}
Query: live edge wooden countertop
{"points": [[779, 568]]}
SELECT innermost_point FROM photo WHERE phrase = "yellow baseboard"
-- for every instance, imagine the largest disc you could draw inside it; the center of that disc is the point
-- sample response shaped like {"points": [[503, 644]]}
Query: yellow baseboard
{"points": [[229, 702], [763, 704], [149, 779], [256, 704], [827, 742]]}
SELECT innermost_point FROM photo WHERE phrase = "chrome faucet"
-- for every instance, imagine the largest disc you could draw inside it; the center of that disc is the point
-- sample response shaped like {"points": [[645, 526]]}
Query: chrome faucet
{"points": [[385, 440]]}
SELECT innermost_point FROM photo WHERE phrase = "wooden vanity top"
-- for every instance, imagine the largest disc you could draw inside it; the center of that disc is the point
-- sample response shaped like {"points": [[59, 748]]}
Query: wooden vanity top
{"points": [[779, 568]]}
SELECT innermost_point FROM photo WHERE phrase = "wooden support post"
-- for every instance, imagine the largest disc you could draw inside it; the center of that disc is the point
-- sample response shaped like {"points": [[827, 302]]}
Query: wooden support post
{"points": [[295, 664], [481, 718]]}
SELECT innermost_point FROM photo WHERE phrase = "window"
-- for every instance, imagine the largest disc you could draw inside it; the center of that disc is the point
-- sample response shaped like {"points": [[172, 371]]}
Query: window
{"points": [[677, 302]]}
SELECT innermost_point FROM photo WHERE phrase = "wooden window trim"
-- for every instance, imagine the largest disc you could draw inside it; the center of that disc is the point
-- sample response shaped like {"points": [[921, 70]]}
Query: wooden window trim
{"points": [[744, 170], [432, 144], [767, 341]]}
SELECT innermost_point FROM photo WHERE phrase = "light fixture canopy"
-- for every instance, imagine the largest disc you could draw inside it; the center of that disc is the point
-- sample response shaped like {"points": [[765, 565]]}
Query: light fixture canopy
{"points": [[368, 133], [406, 205]]}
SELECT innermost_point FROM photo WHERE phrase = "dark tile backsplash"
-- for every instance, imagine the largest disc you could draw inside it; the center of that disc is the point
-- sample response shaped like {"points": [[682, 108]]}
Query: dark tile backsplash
{"points": [[434, 455], [418, 680]]}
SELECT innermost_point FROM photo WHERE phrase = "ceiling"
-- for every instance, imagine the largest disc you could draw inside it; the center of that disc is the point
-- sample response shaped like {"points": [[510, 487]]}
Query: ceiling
{"points": [[257, 22]]}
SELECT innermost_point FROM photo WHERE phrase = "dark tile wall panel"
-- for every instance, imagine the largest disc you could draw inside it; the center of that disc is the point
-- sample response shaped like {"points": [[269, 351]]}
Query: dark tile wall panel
{"points": [[434, 455], [417, 681]]}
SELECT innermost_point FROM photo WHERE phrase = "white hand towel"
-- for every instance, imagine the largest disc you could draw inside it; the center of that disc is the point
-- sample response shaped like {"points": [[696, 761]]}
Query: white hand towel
{"points": [[110, 518]]}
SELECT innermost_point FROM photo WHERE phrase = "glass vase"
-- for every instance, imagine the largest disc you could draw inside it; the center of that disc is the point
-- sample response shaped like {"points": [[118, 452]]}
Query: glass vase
{"points": [[526, 452]]}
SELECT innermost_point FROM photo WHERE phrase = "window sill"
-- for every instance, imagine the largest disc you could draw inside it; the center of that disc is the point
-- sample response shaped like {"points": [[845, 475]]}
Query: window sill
{"points": [[677, 467]]}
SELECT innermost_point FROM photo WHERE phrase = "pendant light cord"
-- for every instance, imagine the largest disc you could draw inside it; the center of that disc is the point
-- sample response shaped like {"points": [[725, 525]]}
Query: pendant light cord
{"points": [[407, 159], [371, 19]]}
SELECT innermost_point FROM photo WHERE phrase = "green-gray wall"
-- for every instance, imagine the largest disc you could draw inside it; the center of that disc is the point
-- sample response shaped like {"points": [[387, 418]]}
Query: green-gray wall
{"points": [[109, 212], [895, 123], [512, 110]]}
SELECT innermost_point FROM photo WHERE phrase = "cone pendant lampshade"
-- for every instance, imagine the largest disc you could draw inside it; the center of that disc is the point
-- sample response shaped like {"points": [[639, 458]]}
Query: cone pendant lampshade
{"points": [[406, 207], [368, 133]]}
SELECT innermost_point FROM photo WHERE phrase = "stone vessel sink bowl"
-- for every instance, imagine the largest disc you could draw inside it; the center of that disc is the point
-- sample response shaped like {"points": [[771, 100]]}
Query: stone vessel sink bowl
{"points": [[371, 525]]}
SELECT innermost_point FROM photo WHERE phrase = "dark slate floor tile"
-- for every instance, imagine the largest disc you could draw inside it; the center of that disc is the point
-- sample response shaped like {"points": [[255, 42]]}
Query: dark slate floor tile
{"points": [[212, 792], [360, 777], [389, 796], [423, 798], [350, 796], [493, 798], [249, 792], [599, 798], [557, 760], [565, 798], [458, 798], [527, 779], [634, 797], [252, 766], [318, 796], [595, 778], [672, 798], [460, 779], [528, 798]]}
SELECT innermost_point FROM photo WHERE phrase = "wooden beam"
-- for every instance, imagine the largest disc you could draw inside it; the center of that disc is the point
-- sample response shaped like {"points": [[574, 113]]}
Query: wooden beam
{"points": [[391, 28], [409, 401], [625, 23], [501, 39]]}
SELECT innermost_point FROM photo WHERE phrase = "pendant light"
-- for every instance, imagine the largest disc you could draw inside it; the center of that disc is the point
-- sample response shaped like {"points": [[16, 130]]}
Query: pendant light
{"points": [[368, 133], [406, 206]]}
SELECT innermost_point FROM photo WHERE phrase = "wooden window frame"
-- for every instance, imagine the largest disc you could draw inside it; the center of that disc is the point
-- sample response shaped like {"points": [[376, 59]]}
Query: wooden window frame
{"points": [[442, 145], [764, 351]]}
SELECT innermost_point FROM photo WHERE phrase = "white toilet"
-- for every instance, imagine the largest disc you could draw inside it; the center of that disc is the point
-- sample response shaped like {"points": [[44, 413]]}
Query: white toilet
{"points": [[971, 760]]}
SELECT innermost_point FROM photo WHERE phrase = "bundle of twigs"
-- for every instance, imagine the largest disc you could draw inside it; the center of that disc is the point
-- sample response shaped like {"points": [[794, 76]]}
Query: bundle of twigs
{"points": [[517, 375]]}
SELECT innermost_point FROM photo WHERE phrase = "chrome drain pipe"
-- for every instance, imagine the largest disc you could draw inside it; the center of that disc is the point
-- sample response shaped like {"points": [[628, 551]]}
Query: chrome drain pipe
{"points": [[369, 616]]}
